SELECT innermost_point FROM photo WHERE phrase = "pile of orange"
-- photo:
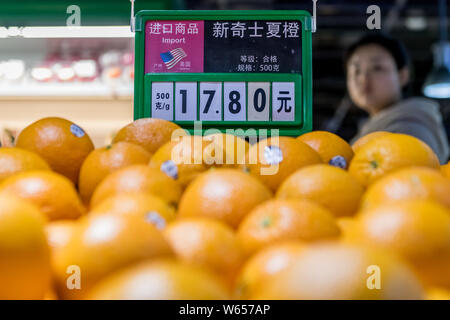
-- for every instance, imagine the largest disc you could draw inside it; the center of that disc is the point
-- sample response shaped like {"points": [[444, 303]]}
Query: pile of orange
{"points": [[160, 214]]}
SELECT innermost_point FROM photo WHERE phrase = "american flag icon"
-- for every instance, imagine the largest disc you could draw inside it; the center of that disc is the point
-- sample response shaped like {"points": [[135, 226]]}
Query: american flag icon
{"points": [[171, 58]]}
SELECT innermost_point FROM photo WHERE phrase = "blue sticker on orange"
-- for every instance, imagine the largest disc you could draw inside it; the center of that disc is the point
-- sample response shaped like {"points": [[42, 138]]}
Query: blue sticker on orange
{"points": [[77, 131], [273, 155], [170, 168], [155, 218], [338, 161]]}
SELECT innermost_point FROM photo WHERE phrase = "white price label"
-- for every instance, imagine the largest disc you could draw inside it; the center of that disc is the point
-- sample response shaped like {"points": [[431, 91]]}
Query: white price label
{"points": [[185, 101], [283, 101], [258, 101], [210, 101], [234, 106], [162, 100]]}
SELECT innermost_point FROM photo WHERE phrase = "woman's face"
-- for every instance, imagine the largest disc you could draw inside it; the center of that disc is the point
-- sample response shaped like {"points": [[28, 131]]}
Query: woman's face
{"points": [[373, 79]]}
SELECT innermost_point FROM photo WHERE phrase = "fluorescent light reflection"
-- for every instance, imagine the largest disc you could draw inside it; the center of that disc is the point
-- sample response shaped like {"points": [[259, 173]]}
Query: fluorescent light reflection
{"points": [[68, 32]]}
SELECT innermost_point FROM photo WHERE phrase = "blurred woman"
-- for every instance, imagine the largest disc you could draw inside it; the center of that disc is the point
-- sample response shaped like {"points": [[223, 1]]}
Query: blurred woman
{"points": [[377, 74]]}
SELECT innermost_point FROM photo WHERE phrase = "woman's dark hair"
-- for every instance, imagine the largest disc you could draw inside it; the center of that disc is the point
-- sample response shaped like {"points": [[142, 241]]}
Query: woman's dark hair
{"points": [[393, 46]]}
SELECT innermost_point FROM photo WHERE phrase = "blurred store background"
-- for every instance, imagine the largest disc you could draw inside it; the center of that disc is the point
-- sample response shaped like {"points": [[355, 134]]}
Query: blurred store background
{"points": [[86, 75]]}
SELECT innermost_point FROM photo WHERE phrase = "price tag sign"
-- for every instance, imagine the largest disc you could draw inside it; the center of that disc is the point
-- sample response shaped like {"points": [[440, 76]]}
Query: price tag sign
{"points": [[185, 101], [162, 102], [227, 69]]}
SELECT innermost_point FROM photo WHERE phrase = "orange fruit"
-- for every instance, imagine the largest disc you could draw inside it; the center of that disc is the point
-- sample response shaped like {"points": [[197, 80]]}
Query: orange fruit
{"points": [[24, 253], [345, 224], [332, 187], [265, 264], [388, 153], [142, 204], [60, 142], [225, 150], [149, 133], [337, 271], [101, 162], [138, 178], [272, 160], [281, 220], [207, 243], [182, 159], [437, 294], [445, 169], [332, 149], [51, 192], [417, 230], [224, 194], [15, 160], [58, 235], [50, 295], [408, 183], [102, 244], [358, 144], [161, 280]]}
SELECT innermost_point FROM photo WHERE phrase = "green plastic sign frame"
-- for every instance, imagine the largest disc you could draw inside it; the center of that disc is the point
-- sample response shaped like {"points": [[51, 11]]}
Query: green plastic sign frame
{"points": [[303, 81]]}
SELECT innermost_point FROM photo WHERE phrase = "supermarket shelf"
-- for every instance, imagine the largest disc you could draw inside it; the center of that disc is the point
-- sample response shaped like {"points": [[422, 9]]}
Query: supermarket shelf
{"points": [[85, 98], [63, 90], [100, 116]]}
